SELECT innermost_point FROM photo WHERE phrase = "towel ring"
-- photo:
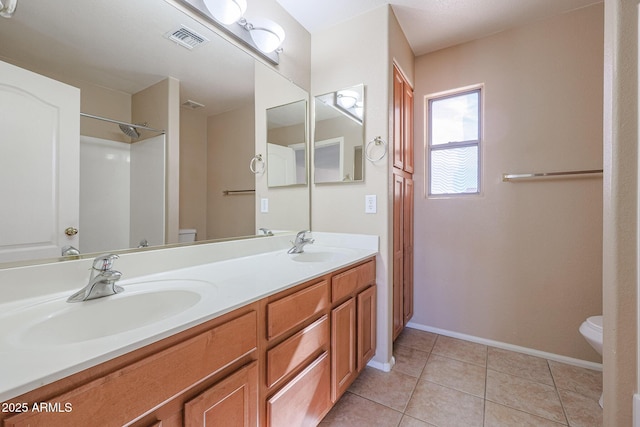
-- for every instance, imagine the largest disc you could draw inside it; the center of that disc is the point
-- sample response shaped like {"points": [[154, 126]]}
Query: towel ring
{"points": [[376, 141], [255, 161]]}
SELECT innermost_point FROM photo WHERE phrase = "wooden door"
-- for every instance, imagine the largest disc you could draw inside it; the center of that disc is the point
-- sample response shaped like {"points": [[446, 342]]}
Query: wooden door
{"points": [[407, 123], [39, 164], [398, 253], [398, 124], [233, 402], [343, 348], [366, 326]]}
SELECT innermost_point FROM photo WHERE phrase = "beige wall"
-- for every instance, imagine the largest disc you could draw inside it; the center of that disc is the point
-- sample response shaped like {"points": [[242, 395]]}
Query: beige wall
{"points": [[522, 262], [103, 102], [620, 287], [368, 42], [230, 147], [159, 106], [193, 171]]}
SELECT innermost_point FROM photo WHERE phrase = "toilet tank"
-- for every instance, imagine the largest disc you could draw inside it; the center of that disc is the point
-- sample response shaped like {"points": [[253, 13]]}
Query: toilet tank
{"points": [[187, 235]]}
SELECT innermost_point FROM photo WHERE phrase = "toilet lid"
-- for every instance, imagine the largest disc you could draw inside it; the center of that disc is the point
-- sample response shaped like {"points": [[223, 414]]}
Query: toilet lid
{"points": [[595, 322]]}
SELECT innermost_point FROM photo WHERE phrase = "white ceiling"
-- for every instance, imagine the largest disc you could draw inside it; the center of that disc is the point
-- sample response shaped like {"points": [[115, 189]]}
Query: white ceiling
{"points": [[430, 25]]}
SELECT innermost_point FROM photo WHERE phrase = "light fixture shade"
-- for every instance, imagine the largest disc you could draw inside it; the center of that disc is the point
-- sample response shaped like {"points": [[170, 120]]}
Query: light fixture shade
{"points": [[226, 11], [347, 98], [8, 8], [266, 34]]}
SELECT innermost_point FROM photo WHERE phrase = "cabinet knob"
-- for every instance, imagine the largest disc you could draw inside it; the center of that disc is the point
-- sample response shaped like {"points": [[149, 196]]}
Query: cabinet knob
{"points": [[71, 231]]}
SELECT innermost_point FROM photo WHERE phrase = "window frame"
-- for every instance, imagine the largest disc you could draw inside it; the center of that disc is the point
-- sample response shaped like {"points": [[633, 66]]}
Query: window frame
{"points": [[429, 99]]}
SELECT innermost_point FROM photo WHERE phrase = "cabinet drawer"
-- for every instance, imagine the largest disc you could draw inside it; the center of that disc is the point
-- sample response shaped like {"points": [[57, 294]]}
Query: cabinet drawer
{"points": [[305, 399], [291, 311], [350, 281], [287, 356], [148, 383]]}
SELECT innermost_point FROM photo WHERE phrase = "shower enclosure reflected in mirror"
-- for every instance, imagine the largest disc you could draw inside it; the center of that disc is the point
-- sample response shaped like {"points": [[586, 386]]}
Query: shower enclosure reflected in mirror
{"points": [[339, 136], [287, 144]]}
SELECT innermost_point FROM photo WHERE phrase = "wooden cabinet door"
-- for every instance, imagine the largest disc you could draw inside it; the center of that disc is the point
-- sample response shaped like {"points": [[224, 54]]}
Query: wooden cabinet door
{"points": [[398, 254], [407, 275], [233, 402], [398, 125], [366, 326], [343, 348], [407, 123]]}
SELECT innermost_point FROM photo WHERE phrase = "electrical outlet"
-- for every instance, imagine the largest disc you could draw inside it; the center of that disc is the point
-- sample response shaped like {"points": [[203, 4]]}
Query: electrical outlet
{"points": [[370, 204], [264, 205]]}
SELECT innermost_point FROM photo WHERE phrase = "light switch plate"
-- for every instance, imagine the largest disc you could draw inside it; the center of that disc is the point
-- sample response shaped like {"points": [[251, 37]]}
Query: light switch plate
{"points": [[264, 205], [370, 203]]}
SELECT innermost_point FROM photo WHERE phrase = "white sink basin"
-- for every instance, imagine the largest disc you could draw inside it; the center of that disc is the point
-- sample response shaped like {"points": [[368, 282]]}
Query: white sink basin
{"points": [[57, 322]]}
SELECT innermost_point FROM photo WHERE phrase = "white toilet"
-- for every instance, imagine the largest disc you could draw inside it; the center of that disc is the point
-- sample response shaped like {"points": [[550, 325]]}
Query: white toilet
{"points": [[186, 235], [591, 330]]}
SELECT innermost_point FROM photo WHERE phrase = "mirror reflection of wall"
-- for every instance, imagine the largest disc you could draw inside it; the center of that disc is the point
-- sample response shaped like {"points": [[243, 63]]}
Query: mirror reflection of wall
{"points": [[287, 144], [339, 136], [207, 108]]}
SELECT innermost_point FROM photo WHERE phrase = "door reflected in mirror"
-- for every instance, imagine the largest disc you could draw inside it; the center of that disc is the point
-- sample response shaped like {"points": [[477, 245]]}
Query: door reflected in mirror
{"points": [[287, 144], [339, 136]]}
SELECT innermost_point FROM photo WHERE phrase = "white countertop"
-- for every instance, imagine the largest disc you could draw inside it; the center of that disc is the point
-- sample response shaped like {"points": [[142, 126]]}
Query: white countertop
{"points": [[226, 283]]}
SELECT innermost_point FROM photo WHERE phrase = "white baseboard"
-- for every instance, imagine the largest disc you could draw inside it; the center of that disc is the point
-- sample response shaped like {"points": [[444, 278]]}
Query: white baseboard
{"points": [[505, 346], [382, 366]]}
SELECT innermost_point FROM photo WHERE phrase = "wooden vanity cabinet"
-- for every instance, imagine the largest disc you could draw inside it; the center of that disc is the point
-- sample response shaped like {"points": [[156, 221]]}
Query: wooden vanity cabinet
{"points": [[327, 339], [353, 325], [281, 361], [182, 375]]}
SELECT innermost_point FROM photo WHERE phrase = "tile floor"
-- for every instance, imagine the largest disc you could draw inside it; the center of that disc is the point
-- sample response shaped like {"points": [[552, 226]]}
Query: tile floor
{"points": [[443, 381]]}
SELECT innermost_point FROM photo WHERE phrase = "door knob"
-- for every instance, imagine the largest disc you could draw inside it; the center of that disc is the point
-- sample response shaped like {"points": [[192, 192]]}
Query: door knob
{"points": [[71, 231]]}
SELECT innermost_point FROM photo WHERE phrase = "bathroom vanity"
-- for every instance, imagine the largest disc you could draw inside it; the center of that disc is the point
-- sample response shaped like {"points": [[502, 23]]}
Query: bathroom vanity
{"points": [[284, 338]]}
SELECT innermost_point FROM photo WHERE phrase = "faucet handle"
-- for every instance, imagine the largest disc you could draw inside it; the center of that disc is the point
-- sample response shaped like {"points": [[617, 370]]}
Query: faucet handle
{"points": [[104, 262]]}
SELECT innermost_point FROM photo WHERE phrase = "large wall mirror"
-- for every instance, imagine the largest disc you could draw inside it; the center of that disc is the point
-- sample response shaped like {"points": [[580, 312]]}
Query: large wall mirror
{"points": [[148, 62], [338, 141], [287, 144]]}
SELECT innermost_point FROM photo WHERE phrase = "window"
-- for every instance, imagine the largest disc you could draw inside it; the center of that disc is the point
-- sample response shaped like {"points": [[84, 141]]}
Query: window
{"points": [[454, 137]]}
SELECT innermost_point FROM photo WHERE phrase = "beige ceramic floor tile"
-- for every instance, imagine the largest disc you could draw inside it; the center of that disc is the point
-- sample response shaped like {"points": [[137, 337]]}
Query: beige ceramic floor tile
{"points": [[519, 364], [581, 410], [408, 421], [352, 411], [580, 380], [455, 374], [501, 416], [445, 407], [392, 389], [420, 340], [461, 350], [528, 396], [409, 360]]}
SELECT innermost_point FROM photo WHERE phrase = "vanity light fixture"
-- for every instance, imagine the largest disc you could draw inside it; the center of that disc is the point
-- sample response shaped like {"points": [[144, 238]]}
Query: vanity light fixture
{"points": [[266, 34], [8, 8], [226, 11], [347, 98], [263, 36]]}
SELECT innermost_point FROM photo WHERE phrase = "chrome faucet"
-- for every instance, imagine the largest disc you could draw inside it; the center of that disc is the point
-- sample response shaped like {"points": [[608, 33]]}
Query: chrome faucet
{"points": [[300, 242], [102, 281]]}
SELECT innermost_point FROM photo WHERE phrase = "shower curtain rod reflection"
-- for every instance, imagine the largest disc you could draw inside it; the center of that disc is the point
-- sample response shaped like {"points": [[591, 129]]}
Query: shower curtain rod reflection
{"points": [[104, 119], [506, 177]]}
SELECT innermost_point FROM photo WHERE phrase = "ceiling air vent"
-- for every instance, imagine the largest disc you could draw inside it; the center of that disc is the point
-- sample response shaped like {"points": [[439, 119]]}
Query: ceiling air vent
{"points": [[186, 37], [192, 104]]}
